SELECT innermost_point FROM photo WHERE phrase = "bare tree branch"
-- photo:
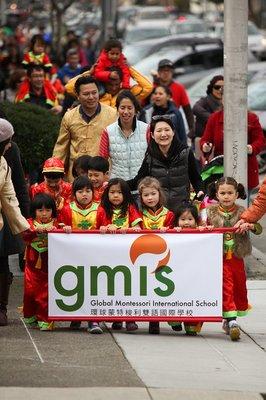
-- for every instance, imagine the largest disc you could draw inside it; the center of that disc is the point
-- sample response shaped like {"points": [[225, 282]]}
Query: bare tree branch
{"points": [[61, 6]]}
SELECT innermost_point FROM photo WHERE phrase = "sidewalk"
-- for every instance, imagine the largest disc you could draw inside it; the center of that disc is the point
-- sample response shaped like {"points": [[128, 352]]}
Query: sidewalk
{"points": [[64, 364]]}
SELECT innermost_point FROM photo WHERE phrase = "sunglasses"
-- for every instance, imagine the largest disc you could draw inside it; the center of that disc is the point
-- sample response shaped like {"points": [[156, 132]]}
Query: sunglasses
{"points": [[218, 87], [161, 117]]}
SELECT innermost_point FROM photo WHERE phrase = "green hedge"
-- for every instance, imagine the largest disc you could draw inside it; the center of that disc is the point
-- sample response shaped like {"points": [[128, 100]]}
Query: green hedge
{"points": [[36, 131]]}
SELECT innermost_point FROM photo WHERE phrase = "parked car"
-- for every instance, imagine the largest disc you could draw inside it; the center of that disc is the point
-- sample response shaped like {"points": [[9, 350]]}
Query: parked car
{"points": [[136, 52], [147, 30], [187, 59], [256, 40]]}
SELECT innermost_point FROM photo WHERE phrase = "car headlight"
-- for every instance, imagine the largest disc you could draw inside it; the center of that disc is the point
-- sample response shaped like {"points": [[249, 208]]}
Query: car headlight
{"points": [[263, 42]]}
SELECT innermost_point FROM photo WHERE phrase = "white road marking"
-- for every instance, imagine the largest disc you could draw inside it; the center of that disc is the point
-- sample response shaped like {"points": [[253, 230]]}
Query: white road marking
{"points": [[32, 341]]}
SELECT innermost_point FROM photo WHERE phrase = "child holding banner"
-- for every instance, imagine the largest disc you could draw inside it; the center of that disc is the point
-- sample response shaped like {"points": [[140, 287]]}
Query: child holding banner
{"points": [[226, 214], [187, 217], [98, 173], [118, 211], [154, 216], [43, 220], [81, 214]]}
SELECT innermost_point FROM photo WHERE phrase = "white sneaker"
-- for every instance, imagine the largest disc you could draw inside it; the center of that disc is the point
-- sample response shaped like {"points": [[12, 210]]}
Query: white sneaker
{"points": [[226, 327], [234, 331], [94, 328]]}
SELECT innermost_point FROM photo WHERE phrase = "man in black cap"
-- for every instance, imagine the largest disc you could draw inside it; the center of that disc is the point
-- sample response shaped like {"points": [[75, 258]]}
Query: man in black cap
{"points": [[179, 94]]}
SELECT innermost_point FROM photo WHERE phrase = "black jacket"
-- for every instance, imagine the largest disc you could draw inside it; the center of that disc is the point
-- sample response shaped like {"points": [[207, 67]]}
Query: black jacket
{"points": [[175, 173], [202, 109], [13, 244]]}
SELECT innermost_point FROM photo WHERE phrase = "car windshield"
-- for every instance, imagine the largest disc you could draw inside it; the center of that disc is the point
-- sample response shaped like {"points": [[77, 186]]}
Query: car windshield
{"points": [[136, 35], [153, 15], [257, 96], [190, 27]]}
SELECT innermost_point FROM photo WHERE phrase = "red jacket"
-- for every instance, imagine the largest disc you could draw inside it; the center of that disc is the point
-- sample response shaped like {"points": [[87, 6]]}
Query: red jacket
{"points": [[213, 133], [103, 64]]}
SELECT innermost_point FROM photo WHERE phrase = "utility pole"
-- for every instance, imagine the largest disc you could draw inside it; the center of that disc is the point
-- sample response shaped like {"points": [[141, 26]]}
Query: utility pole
{"points": [[3, 12], [108, 18], [235, 89]]}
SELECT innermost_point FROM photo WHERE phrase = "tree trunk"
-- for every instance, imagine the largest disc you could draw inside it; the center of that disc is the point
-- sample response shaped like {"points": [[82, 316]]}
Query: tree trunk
{"points": [[183, 5]]}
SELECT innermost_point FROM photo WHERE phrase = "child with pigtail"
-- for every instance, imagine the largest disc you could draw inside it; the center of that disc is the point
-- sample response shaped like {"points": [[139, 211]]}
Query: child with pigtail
{"points": [[226, 213]]}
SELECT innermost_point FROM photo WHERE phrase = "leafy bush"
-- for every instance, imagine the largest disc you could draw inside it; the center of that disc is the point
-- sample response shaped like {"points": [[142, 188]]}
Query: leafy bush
{"points": [[36, 131]]}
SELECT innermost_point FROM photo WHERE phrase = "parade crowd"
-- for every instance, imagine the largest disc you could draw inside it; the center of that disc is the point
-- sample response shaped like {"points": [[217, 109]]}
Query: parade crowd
{"points": [[122, 161]]}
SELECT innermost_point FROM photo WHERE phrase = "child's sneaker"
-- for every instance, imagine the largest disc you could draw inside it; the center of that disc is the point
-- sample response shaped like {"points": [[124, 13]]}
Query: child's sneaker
{"points": [[154, 328], [191, 330], [131, 326], [46, 326], [234, 331], [31, 322], [75, 325], [226, 327], [176, 326], [117, 326], [94, 328]]}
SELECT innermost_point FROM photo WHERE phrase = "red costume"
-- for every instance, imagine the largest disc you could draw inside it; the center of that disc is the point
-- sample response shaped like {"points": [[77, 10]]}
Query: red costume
{"points": [[23, 94], [35, 304], [79, 218], [213, 133], [158, 219], [131, 219], [101, 69], [38, 59], [98, 192], [62, 194], [236, 246]]}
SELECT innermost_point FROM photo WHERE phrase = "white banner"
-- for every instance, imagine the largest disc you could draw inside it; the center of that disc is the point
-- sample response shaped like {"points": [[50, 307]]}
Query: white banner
{"points": [[135, 276]]}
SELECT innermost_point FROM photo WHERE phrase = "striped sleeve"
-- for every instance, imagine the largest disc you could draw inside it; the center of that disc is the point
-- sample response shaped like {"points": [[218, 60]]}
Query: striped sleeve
{"points": [[104, 145]]}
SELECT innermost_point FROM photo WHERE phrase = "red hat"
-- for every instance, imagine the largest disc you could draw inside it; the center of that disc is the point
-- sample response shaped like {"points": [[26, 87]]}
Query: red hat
{"points": [[53, 164]]}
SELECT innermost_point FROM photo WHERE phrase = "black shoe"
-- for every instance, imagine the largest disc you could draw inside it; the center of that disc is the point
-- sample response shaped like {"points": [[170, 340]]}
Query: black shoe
{"points": [[154, 328], [117, 326], [177, 328], [75, 325]]}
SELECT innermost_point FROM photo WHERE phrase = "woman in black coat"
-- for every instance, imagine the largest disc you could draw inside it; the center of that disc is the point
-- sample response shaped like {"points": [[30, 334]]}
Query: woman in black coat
{"points": [[171, 162]]}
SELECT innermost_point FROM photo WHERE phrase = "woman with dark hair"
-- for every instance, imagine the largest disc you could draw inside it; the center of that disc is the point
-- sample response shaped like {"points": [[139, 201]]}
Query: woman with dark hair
{"points": [[125, 141], [162, 105], [205, 106], [171, 162]]}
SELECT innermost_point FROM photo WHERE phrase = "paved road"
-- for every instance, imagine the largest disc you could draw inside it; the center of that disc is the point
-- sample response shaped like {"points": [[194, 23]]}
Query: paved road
{"points": [[137, 366], [66, 365]]}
